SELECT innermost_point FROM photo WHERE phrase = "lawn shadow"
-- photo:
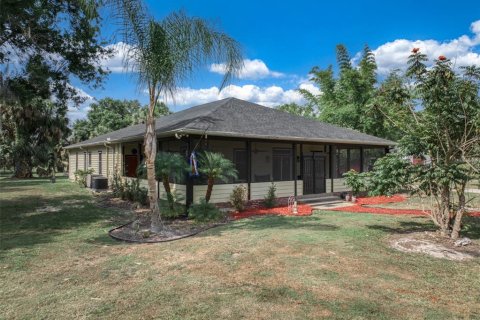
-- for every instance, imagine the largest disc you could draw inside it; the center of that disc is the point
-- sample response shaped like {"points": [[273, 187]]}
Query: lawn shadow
{"points": [[312, 223], [404, 227], [27, 221], [470, 228]]}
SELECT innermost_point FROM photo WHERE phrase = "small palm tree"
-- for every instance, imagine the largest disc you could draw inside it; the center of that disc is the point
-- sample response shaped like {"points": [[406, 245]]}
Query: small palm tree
{"points": [[169, 165], [215, 166]]}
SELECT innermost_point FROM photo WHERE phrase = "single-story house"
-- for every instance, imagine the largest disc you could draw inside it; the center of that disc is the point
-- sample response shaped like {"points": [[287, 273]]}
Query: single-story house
{"points": [[301, 156]]}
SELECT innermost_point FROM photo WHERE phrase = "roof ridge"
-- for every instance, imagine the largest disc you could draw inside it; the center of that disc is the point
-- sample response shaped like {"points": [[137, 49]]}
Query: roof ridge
{"points": [[220, 103]]}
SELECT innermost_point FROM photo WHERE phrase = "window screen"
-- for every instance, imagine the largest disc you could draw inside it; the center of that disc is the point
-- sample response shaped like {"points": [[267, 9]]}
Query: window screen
{"points": [[240, 161], [282, 164]]}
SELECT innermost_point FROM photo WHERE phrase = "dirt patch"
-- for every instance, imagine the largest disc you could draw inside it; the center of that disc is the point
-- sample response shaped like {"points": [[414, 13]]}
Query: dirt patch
{"points": [[139, 230], [435, 245]]}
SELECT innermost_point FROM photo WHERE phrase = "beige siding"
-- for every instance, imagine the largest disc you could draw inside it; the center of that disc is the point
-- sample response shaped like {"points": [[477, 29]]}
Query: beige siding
{"points": [[71, 164], [284, 189], [338, 185], [220, 192]]}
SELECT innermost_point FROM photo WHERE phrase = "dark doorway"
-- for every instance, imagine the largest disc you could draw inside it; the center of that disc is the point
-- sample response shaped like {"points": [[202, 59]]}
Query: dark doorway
{"points": [[131, 164], [313, 174]]}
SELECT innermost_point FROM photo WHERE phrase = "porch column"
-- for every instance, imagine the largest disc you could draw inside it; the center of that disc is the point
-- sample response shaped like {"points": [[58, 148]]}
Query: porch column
{"points": [[248, 146], [361, 159], [301, 164], [332, 165], [294, 168], [189, 182], [122, 159]]}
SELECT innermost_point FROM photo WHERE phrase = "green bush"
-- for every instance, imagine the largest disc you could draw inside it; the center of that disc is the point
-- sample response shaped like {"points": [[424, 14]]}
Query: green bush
{"points": [[81, 176], [238, 197], [356, 181], [204, 211], [129, 190], [172, 209], [270, 199]]}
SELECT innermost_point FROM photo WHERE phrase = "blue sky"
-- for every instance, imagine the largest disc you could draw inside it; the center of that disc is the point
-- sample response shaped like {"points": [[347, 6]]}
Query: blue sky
{"points": [[284, 40]]}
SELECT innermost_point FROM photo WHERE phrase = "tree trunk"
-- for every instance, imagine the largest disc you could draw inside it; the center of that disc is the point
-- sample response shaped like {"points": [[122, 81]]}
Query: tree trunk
{"points": [[209, 189], [150, 144], [457, 224], [166, 185], [22, 169]]}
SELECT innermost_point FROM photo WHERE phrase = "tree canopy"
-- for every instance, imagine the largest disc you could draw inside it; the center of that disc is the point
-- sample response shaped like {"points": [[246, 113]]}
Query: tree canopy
{"points": [[44, 45], [109, 114]]}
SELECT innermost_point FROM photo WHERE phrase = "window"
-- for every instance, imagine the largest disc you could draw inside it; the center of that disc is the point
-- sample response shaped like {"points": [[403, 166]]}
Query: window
{"points": [[99, 162], [347, 159], [240, 161], [282, 164], [370, 156], [84, 161], [89, 159], [355, 160], [342, 162]]}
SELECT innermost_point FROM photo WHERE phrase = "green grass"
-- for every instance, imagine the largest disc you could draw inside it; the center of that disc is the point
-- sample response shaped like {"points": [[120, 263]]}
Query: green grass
{"points": [[57, 262]]}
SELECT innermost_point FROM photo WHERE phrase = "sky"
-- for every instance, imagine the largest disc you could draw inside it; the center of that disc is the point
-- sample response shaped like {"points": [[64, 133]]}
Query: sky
{"points": [[283, 40]]}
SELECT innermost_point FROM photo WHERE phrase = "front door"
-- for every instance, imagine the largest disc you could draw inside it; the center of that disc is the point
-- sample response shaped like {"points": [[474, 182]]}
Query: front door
{"points": [[313, 174], [131, 163]]}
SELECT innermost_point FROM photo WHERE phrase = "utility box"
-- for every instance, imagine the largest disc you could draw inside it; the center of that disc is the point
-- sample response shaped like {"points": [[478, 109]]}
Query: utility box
{"points": [[99, 183], [89, 179]]}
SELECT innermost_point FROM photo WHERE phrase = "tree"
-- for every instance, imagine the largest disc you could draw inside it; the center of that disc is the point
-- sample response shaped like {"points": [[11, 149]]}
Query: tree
{"points": [[167, 165], [293, 108], [44, 46], [441, 120], [352, 99], [40, 129], [165, 53], [109, 114], [215, 167]]}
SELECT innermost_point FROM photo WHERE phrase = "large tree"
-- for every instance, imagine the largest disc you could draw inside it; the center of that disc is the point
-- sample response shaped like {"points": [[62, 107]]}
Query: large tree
{"points": [[165, 53], [44, 45], [352, 99], [438, 114]]}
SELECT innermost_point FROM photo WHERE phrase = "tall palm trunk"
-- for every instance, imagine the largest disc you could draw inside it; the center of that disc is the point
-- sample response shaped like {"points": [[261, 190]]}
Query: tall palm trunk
{"points": [[150, 144], [209, 189]]}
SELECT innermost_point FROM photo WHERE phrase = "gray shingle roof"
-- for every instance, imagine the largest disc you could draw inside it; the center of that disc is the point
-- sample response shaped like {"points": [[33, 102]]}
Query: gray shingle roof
{"points": [[233, 117]]}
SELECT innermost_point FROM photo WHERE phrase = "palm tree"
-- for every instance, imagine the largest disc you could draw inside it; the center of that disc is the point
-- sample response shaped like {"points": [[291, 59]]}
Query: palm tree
{"points": [[169, 164], [163, 54], [215, 166]]}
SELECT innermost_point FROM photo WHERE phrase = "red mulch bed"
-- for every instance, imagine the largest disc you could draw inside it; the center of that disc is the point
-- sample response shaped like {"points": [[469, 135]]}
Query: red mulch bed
{"points": [[361, 206], [303, 210]]}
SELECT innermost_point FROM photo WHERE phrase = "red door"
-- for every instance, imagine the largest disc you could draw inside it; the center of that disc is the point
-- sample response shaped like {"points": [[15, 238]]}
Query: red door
{"points": [[131, 163]]}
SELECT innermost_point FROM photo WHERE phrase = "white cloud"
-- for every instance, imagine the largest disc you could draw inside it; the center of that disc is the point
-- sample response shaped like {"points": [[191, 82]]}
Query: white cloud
{"points": [[80, 112], [393, 55], [252, 70], [115, 63], [268, 96]]}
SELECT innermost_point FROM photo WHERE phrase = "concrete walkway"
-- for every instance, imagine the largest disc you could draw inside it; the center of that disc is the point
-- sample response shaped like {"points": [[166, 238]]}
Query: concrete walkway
{"points": [[331, 205]]}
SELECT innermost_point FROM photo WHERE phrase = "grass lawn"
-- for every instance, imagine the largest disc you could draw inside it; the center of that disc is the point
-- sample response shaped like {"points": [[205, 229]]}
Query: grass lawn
{"points": [[57, 261], [416, 202]]}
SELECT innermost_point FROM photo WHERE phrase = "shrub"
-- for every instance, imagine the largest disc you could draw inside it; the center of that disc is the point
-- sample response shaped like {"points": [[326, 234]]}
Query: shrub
{"points": [[356, 181], [238, 197], [116, 184], [204, 211], [81, 176], [270, 199], [129, 190], [171, 210]]}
